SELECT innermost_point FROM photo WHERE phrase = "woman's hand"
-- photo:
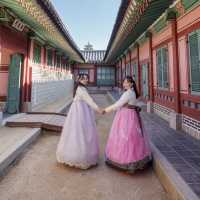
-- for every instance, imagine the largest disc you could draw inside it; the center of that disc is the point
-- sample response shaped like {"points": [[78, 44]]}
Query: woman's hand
{"points": [[104, 112], [100, 110]]}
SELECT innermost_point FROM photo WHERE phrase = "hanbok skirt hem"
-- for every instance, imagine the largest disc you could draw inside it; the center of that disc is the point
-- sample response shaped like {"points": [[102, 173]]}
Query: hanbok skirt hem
{"points": [[79, 165], [130, 167]]}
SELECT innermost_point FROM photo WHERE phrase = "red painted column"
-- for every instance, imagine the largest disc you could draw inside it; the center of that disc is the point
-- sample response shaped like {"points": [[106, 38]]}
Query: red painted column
{"points": [[28, 79], [151, 80], [117, 68], [29, 84], [176, 65], [125, 65], [139, 69], [45, 57], [61, 64], [121, 74], [115, 74], [130, 63], [24, 75], [54, 60], [29, 72], [72, 68], [0, 45]]}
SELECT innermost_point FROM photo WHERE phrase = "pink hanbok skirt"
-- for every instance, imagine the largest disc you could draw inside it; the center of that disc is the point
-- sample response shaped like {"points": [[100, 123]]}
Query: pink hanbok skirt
{"points": [[127, 147]]}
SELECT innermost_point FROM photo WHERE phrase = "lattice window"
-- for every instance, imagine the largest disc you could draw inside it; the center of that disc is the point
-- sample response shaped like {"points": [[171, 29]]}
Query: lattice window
{"points": [[162, 67], [58, 60], [49, 57], [84, 71], [135, 72], [37, 54], [105, 76], [194, 53], [128, 69]]}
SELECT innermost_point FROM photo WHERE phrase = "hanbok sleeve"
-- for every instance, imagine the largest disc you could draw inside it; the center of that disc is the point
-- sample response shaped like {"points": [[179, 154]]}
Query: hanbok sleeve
{"points": [[122, 101], [88, 99]]}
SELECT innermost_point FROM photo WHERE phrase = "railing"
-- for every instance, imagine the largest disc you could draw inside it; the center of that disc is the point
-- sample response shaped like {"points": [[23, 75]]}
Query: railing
{"points": [[4, 68], [190, 105], [164, 98]]}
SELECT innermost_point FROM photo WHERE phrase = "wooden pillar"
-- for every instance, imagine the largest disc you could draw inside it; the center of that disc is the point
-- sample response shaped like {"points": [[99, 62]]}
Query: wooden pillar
{"points": [[121, 74], [26, 80], [60, 67], [45, 57], [29, 71], [0, 45], [29, 84], [172, 19], [119, 70], [29, 74], [72, 68], [55, 60], [116, 73], [139, 69], [151, 80], [175, 120], [125, 64], [130, 68], [24, 73]]}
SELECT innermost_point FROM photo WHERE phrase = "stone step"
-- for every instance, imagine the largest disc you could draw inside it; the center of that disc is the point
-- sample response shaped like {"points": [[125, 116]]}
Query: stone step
{"points": [[13, 142], [45, 120]]}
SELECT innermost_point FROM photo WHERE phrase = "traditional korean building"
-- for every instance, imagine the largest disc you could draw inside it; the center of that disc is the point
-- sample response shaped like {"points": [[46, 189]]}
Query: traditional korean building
{"points": [[36, 54], [100, 74], [158, 43]]}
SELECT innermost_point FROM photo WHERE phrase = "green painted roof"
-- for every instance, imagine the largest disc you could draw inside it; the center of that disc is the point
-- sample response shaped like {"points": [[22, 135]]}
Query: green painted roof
{"points": [[68, 48], [152, 13]]}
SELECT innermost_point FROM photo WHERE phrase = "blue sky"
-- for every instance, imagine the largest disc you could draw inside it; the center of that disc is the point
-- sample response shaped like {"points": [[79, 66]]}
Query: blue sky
{"points": [[88, 20]]}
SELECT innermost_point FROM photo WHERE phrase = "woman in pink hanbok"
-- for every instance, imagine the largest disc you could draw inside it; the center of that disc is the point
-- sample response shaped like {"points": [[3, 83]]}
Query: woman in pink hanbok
{"points": [[127, 147], [78, 145]]}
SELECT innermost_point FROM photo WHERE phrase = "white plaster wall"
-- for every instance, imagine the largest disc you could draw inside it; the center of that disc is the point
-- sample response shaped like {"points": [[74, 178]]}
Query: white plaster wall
{"points": [[49, 86]]}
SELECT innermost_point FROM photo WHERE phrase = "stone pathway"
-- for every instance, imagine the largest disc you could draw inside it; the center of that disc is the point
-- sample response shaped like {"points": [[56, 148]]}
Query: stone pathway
{"points": [[181, 150], [38, 176]]}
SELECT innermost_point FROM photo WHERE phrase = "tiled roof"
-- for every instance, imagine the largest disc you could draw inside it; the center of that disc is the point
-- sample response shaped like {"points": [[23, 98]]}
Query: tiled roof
{"points": [[53, 14], [94, 56], [134, 18], [120, 16]]}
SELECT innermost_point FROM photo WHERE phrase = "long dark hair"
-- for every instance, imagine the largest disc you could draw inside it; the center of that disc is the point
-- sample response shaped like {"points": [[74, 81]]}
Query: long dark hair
{"points": [[78, 83], [134, 86]]}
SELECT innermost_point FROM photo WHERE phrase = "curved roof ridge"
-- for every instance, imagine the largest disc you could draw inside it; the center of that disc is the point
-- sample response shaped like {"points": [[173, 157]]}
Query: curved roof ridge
{"points": [[48, 6]]}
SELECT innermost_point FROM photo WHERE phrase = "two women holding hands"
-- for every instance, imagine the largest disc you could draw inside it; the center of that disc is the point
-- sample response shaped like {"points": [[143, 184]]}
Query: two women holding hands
{"points": [[127, 146]]}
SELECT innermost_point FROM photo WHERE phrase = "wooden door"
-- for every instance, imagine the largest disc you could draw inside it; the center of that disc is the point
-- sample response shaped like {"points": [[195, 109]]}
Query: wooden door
{"points": [[13, 98]]}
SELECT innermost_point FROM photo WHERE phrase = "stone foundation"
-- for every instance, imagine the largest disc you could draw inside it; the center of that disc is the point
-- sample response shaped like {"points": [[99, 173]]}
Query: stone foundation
{"points": [[178, 121]]}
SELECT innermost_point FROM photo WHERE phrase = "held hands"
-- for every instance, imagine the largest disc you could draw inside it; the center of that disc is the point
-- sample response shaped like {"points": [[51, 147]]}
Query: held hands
{"points": [[101, 111]]}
